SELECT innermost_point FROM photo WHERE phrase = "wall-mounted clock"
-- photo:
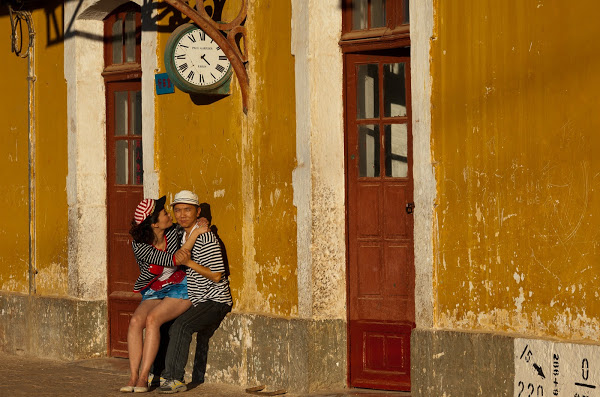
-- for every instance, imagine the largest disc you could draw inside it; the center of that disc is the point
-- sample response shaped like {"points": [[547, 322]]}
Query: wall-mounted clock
{"points": [[195, 63]]}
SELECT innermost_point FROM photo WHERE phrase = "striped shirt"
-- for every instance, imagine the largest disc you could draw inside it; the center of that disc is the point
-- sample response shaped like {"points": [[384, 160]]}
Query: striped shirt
{"points": [[207, 252], [151, 260]]}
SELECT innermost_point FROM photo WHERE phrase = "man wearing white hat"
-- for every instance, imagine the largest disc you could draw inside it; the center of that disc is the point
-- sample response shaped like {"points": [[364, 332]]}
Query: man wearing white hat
{"points": [[211, 301]]}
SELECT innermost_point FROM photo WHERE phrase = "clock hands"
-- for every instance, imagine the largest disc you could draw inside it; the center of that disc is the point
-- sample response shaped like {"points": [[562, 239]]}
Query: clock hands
{"points": [[204, 59]]}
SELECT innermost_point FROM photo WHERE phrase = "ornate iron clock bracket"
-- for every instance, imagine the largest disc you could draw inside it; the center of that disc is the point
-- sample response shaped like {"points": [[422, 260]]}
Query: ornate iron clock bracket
{"points": [[228, 43]]}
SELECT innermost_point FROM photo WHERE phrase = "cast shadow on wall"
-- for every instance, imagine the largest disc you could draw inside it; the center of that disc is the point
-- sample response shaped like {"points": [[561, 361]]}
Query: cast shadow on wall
{"points": [[156, 16]]}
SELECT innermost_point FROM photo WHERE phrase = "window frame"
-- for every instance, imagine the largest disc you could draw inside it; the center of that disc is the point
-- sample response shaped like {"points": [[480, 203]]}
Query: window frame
{"points": [[395, 33], [120, 13]]}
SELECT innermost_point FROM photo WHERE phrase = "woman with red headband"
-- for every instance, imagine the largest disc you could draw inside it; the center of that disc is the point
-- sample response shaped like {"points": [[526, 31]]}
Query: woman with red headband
{"points": [[162, 284]]}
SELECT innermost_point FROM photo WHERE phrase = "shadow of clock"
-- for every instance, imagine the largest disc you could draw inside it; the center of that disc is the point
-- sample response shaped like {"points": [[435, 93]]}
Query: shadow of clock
{"points": [[206, 99]]}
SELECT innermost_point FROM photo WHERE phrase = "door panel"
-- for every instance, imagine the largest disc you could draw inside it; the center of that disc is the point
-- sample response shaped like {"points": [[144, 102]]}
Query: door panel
{"points": [[380, 231], [368, 217], [124, 192], [386, 350], [396, 219], [120, 315], [370, 275]]}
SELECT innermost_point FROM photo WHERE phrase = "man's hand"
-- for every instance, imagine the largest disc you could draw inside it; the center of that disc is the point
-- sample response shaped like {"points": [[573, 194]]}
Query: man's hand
{"points": [[182, 256]]}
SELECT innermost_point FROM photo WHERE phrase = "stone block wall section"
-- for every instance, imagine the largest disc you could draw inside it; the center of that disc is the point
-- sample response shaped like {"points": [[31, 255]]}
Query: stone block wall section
{"points": [[298, 355], [461, 364], [294, 354], [52, 327]]}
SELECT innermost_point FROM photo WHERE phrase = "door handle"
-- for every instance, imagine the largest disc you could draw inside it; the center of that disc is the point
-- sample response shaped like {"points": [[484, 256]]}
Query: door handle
{"points": [[409, 208]]}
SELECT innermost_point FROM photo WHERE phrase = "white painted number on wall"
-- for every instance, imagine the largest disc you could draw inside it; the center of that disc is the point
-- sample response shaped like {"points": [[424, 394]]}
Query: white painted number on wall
{"points": [[559, 369]]}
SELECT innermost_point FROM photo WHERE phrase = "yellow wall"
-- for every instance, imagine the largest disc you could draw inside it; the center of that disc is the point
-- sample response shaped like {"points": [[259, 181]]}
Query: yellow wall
{"points": [[515, 138], [208, 148], [51, 157], [13, 163]]}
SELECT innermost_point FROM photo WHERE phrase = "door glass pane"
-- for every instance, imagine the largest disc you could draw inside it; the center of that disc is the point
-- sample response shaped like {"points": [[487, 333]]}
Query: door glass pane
{"points": [[121, 113], [359, 14], [396, 141], [117, 41], [377, 13], [368, 150], [367, 92], [406, 19], [138, 165], [122, 163], [130, 37], [394, 90], [136, 113]]}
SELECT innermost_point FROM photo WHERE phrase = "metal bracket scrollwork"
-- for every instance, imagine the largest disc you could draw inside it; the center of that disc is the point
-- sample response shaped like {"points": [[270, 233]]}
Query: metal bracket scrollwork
{"points": [[226, 35]]}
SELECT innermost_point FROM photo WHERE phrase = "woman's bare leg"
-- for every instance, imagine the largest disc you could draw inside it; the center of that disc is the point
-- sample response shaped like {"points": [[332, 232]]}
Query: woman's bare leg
{"points": [[168, 309], [135, 337]]}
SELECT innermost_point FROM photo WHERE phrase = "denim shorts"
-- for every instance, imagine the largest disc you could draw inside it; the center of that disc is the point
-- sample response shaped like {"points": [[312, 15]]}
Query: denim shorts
{"points": [[178, 291]]}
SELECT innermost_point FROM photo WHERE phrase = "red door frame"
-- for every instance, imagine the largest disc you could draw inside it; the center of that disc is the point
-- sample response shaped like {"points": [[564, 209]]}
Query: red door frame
{"points": [[122, 269], [400, 330], [121, 200]]}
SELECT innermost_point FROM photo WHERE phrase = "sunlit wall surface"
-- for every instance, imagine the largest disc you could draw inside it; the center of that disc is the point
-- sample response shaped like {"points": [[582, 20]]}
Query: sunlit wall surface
{"points": [[515, 141]]}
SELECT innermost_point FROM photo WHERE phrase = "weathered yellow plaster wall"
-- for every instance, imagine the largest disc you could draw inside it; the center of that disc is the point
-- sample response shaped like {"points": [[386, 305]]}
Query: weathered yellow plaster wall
{"points": [[51, 168], [515, 141], [13, 165], [242, 164]]}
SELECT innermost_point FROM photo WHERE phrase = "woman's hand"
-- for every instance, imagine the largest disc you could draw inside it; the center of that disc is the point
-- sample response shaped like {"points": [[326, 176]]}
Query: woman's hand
{"points": [[201, 229], [203, 225], [182, 256]]}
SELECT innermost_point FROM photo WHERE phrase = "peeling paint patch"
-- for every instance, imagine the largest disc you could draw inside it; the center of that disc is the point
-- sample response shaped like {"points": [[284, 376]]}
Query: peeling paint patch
{"points": [[52, 280]]}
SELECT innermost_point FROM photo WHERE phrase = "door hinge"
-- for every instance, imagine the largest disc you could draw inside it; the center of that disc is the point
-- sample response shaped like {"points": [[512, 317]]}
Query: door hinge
{"points": [[410, 207]]}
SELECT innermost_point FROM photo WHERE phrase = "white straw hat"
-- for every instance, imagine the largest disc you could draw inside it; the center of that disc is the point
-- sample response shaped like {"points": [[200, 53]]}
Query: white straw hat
{"points": [[186, 197]]}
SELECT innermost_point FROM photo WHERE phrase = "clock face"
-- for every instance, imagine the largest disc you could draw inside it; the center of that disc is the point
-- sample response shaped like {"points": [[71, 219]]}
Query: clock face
{"points": [[197, 59], [195, 62]]}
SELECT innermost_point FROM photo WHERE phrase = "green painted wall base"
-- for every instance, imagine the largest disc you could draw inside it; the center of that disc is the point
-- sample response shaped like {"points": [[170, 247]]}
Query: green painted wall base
{"points": [[52, 327]]}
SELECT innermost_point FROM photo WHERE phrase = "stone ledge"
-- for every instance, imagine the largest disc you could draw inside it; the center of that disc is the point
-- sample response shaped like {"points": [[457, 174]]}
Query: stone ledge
{"points": [[52, 327], [298, 355], [294, 354], [461, 364]]}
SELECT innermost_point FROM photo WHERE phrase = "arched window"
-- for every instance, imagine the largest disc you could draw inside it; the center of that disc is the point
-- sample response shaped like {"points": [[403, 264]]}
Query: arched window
{"points": [[123, 36]]}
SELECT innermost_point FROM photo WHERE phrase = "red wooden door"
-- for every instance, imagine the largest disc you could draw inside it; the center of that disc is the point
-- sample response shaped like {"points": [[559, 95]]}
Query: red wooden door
{"points": [[380, 229], [124, 191]]}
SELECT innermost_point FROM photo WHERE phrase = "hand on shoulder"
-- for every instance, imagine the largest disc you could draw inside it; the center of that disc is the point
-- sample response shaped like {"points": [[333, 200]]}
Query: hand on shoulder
{"points": [[202, 226]]}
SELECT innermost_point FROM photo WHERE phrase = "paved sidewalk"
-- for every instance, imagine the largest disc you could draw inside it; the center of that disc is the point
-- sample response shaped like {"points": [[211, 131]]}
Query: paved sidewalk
{"points": [[26, 376]]}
